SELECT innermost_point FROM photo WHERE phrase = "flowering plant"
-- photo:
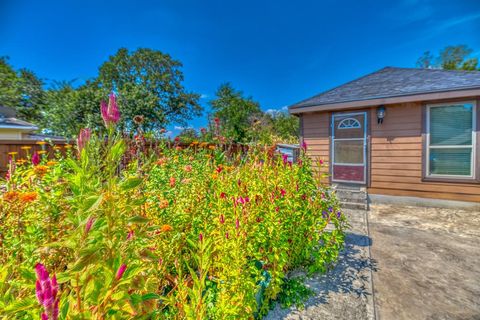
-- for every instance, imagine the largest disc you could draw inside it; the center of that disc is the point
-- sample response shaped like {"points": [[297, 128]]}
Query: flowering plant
{"points": [[175, 233]]}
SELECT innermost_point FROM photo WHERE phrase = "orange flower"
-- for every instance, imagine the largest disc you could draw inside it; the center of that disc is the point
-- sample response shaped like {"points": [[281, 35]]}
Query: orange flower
{"points": [[166, 228], [211, 147], [21, 161], [185, 180], [67, 146], [51, 163], [172, 182], [161, 161], [40, 170], [56, 147], [214, 176], [178, 148], [28, 196], [10, 196], [163, 204], [188, 168]]}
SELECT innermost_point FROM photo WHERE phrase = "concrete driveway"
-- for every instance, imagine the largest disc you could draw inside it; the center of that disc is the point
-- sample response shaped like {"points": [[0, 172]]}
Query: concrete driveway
{"points": [[405, 263], [427, 261]]}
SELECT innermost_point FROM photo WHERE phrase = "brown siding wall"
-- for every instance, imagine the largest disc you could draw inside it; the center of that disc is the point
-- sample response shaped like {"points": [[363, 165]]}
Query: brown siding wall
{"points": [[316, 133], [395, 154], [396, 158]]}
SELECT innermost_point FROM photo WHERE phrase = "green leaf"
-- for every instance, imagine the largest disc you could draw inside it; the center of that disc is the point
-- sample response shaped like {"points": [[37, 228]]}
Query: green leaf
{"points": [[131, 183], [150, 296], [139, 219]]}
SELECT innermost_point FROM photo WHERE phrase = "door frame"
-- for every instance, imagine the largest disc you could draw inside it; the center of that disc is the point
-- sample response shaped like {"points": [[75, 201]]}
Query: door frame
{"points": [[365, 146]]}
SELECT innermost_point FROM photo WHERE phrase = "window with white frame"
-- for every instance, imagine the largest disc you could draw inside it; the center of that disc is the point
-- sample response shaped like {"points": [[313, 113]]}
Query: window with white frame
{"points": [[451, 140]]}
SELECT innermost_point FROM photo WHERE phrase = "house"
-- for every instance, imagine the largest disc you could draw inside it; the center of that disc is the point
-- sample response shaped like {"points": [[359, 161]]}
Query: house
{"points": [[14, 129], [402, 132]]}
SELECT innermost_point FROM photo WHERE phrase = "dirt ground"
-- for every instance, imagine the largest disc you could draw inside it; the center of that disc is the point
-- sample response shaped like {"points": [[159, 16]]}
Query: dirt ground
{"points": [[428, 262]]}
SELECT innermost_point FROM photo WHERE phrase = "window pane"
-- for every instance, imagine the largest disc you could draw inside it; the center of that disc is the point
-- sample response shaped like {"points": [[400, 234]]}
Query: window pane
{"points": [[456, 161], [347, 151], [451, 125]]}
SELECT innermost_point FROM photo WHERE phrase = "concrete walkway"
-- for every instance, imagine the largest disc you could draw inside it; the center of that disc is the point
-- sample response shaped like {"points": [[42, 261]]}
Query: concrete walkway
{"points": [[346, 291]]}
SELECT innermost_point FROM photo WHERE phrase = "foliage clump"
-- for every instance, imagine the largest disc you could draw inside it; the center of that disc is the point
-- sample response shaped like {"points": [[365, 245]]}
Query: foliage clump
{"points": [[174, 233]]}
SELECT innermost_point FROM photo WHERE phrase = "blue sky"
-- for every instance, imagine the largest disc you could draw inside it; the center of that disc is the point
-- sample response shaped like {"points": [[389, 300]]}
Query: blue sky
{"points": [[279, 51]]}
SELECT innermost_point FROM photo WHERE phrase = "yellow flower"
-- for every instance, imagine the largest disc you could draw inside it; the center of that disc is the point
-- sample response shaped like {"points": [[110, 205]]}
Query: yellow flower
{"points": [[26, 148], [42, 152], [51, 163], [13, 153], [56, 148], [41, 143], [21, 161], [211, 147], [195, 142], [40, 170], [67, 146]]}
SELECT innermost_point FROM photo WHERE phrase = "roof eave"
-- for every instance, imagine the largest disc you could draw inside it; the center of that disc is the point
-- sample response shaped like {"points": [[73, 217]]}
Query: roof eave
{"points": [[25, 128], [438, 95]]}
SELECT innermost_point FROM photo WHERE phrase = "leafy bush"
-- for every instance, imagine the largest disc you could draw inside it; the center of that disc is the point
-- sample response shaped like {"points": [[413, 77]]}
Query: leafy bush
{"points": [[174, 234]]}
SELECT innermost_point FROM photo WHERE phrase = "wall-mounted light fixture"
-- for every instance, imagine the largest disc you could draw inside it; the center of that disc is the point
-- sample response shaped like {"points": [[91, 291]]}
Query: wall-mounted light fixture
{"points": [[380, 114]]}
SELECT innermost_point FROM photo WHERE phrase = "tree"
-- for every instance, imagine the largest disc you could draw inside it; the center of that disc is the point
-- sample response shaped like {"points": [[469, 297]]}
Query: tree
{"points": [[148, 83], [21, 90], [450, 58], [285, 126], [237, 113]]}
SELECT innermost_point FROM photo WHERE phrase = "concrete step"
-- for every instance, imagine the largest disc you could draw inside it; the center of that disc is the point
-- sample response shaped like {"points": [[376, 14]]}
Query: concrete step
{"points": [[351, 195], [354, 205]]}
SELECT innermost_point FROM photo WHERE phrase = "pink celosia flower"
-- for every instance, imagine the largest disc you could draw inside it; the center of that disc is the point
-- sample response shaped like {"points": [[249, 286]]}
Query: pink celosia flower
{"points": [[226, 235], [46, 290], [121, 271], [200, 237], [284, 158], [83, 138], [35, 158], [304, 146], [283, 192], [222, 219], [110, 112], [130, 234], [237, 224], [320, 161], [89, 224]]}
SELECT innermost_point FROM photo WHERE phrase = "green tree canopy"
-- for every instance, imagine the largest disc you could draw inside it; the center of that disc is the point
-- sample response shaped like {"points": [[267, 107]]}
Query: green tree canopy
{"points": [[21, 90], [450, 58], [237, 113], [148, 83]]}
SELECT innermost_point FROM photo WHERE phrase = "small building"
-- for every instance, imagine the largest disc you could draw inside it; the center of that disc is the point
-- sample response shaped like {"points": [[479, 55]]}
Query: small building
{"points": [[14, 129], [399, 132]]}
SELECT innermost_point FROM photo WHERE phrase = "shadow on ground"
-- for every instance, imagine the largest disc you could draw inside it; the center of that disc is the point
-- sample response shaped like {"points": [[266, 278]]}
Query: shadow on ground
{"points": [[341, 293]]}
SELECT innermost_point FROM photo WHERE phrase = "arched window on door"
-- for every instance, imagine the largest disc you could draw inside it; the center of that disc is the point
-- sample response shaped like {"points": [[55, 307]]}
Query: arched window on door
{"points": [[349, 123]]}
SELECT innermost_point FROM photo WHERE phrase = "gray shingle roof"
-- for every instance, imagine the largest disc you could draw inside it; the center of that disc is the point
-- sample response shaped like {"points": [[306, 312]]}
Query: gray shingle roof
{"points": [[393, 82], [8, 120]]}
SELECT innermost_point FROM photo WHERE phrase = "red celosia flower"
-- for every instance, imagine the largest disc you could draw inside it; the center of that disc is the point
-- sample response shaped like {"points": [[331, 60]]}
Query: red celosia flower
{"points": [[304, 146], [226, 235], [200, 237], [203, 130], [223, 195], [120, 271], [284, 158], [320, 161], [222, 219], [217, 120], [177, 139], [35, 158]]}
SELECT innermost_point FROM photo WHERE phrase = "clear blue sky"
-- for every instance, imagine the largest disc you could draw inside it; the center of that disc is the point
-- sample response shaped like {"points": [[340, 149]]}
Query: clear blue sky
{"points": [[278, 51]]}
